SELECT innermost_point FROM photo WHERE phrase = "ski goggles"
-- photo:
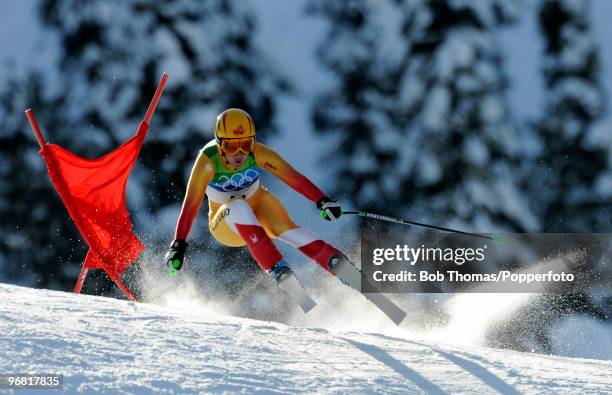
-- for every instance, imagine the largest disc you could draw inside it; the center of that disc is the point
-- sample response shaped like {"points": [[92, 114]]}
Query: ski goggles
{"points": [[233, 146]]}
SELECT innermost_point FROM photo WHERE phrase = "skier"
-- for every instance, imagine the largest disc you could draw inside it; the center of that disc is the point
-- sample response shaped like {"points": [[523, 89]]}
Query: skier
{"points": [[243, 212]]}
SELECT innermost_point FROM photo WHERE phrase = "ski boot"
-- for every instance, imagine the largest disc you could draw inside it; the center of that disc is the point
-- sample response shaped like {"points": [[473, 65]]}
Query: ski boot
{"points": [[280, 271]]}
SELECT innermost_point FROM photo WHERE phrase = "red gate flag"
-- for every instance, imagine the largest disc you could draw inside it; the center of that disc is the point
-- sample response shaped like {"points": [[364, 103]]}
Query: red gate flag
{"points": [[93, 191]]}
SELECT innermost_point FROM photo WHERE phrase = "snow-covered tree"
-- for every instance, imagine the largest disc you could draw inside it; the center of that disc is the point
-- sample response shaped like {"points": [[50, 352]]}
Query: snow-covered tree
{"points": [[462, 151], [423, 127], [577, 155], [353, 108]]}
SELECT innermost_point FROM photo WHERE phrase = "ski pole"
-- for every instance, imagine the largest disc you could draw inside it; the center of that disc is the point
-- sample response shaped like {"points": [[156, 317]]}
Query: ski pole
{"points": [[495, 238]]}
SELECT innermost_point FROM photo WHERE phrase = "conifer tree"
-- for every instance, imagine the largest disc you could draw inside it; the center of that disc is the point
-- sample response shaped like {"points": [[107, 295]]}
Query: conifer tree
{"points": [[575, 162]]}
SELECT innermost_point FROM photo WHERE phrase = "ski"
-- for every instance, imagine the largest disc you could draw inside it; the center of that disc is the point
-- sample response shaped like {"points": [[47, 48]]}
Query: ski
{"points": [[385, 305], [289, 283], [352, 277]]}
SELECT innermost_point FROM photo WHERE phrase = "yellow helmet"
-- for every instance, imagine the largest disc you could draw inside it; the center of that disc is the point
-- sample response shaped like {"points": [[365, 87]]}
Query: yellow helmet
{"points": [[235, 132], [234, 123]]}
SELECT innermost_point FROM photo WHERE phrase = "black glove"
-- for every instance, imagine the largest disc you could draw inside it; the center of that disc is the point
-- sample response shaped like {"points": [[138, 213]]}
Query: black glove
{"points": [[330, 209], [176, 254]]}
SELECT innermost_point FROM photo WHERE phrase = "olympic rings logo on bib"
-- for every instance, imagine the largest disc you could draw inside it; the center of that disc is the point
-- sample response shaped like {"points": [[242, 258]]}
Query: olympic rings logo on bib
{"points": [[237, 181]]}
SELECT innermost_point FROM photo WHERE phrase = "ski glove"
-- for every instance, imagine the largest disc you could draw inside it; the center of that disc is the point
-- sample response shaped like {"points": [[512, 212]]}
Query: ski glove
{"points": [[176, 254], [330, 209]]}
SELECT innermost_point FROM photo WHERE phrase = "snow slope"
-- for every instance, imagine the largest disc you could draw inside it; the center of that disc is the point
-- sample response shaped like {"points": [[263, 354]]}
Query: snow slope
{"points": [[113, 346]]}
